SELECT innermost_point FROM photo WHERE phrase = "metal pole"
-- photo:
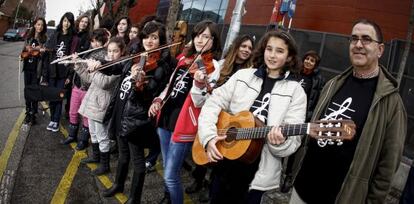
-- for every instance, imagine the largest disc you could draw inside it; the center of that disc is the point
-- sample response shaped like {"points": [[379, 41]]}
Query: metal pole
{"points": [[234, 25], [17, 11]]}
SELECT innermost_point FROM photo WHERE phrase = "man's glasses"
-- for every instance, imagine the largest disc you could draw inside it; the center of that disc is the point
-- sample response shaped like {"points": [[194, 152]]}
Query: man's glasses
{"points": [[365, 40]]}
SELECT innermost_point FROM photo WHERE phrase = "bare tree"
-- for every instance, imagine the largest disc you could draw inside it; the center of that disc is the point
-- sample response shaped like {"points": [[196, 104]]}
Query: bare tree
{"points": [[407, 45], [1, 3]]}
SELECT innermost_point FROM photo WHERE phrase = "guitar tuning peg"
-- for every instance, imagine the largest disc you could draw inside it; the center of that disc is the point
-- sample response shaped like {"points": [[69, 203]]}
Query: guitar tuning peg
{"points": [[330, 142], [338, 125], [338, 134], [339, 142], [320, 133], [329, 125]]}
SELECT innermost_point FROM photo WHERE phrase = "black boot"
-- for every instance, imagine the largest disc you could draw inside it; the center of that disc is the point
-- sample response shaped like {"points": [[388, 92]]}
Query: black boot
{"points": [[73, 132], [194, 187], [204, 195], [33, 118], [95, 155], [136, 188], [28, 118], [120, 177], [83, 139], [103, 166]]}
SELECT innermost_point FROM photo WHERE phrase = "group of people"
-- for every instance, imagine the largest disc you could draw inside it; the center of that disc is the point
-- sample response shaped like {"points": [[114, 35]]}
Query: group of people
{"points": [[162, 102]]}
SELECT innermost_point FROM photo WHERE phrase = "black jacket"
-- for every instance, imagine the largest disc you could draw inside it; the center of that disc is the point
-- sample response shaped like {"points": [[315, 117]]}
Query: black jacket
{"points": [[135, 110], [52, 70], [317, 84]]}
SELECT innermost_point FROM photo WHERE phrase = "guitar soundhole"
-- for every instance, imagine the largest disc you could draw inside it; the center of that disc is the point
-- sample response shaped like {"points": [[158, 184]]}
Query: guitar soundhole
{"points": [[231, 134]]}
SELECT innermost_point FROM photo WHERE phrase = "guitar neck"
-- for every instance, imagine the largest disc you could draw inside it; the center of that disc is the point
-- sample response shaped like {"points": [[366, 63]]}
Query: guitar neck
{"points": [[261, 132]]}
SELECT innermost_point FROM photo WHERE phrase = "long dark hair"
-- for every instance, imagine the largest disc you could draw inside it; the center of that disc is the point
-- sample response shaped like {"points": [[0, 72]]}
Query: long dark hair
{"points": [[231, 57], [200, 28], [114, 30], [42, 35], [293, 65], [71, 19]]}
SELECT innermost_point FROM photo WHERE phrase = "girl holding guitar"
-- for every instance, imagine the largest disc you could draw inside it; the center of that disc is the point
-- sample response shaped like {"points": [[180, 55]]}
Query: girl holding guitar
{"points": [[268, 92], [178, 106]]}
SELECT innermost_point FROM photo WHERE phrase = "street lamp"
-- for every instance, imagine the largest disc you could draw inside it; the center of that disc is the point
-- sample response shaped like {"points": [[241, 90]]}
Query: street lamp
{"points": [[17, 11]]}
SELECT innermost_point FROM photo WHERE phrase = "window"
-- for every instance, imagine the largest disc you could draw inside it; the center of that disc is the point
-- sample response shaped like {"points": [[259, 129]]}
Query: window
{"points": [[195, 11]]}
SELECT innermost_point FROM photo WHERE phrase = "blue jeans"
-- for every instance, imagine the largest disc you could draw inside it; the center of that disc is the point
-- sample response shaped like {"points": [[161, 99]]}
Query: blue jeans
{"points": [[177, 152], [165, 138], [56, 106]]}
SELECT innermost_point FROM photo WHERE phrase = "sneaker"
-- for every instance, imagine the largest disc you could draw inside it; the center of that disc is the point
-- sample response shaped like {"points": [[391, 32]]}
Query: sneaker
{"points": [[55, 127], [50, 126], [149, 167]]}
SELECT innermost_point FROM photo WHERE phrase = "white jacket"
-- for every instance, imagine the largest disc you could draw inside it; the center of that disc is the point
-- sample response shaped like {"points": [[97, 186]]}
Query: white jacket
{"points": [[287, 106]]}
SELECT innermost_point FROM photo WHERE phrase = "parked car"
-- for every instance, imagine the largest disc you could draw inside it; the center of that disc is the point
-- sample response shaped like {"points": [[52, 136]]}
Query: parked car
{"points": [[12, 35], [23, 31], [50, 31]]}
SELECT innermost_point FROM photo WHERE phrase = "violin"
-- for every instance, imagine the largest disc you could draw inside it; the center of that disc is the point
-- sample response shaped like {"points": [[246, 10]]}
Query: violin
{"points": [[204, 63], [30, 51], [147, 62]]}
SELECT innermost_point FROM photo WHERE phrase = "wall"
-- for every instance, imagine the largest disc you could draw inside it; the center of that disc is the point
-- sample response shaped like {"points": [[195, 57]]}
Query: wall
{"points": [[334, 16]]}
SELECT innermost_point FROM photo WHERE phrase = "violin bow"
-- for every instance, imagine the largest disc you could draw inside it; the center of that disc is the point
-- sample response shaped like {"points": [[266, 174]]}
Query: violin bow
{"points": [[81, 53], [123, 59]]}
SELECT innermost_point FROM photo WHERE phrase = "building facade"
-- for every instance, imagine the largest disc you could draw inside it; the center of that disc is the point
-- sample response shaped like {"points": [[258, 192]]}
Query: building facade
{"points": [[36, 7]]}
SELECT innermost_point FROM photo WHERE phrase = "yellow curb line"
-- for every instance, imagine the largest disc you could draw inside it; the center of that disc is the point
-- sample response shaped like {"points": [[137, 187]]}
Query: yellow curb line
{"points": [[64, 186], [11, 140]]}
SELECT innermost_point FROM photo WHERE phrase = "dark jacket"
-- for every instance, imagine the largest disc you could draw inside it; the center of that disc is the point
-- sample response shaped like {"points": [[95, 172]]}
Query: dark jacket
{"points": [[84, 41], [135, 111], [33, 63], [379, 149], [52, 70], [317, 84]]}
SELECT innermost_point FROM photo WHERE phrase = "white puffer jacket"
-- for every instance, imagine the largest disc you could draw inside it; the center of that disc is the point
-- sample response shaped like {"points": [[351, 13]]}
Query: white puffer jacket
{"points": [[287, 106]]}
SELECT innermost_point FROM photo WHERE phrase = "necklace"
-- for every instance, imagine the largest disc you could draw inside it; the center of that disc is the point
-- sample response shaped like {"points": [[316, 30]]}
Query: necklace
{"points": [[372, 74]]}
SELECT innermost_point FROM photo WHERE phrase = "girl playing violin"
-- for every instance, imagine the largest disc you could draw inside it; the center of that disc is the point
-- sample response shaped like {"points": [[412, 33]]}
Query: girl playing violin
{"points": [[32, 63], [177, 123], [141, 81], [238, 57]]}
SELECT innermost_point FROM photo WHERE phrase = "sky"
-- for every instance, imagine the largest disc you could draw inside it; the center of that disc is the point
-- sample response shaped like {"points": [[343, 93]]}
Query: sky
{"points": [[56, 8]]}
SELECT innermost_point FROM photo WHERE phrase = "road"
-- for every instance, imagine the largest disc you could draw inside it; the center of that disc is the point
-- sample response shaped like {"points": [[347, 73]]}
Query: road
{"points": [[35, 168]]}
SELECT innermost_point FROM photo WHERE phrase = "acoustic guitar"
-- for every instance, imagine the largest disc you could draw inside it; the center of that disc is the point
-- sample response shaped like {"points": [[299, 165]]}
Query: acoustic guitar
{"points": [[245, 135]]}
